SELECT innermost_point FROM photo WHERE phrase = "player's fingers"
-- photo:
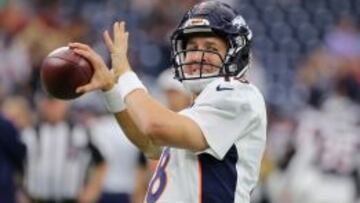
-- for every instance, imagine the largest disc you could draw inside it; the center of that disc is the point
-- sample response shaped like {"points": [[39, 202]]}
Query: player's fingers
{"points": [[86, 88], [126, 39], [108, 41], [119, 33], [90, 56], [79, 46], [115, 26], [115, 31], [81, 89], [122, 26]]}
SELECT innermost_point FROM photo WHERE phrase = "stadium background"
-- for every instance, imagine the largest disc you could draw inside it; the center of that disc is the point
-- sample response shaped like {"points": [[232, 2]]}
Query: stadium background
{"points": [[306, 60]]}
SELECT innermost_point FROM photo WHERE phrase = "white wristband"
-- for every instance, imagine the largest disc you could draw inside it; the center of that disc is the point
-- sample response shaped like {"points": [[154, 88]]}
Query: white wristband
{"points": [[113, 100], [129, 82]]}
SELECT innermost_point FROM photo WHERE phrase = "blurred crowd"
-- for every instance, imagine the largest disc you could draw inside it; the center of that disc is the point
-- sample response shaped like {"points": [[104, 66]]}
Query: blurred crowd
{"points": [[305, 59]]}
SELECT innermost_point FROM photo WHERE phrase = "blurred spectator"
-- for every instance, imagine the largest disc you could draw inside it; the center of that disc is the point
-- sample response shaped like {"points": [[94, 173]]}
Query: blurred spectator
{"points": [[317, 75], [344, 39], [343, 44], [279, 152], [15, 66], [47, 20], [325, 166], [127, 175], [63, 163], [46, 31], [12, 154], [17, 109]]}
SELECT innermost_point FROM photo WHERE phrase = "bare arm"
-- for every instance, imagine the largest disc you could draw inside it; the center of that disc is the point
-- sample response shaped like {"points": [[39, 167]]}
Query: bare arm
{"points": [[92, 190], [105, 80], [146, 123], [143, 175], [132, 132], [162, 126]]}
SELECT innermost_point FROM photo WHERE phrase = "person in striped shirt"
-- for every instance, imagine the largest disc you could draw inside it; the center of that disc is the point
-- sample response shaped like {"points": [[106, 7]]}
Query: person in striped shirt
{"points": [[64, 163]]}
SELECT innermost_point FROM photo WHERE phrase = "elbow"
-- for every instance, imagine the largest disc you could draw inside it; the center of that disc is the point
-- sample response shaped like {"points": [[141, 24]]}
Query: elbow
{"points": [[153, 155], [154, 131]]}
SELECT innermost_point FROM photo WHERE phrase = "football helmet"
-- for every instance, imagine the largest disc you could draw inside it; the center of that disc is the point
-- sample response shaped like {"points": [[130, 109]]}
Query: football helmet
{"points": [[214, 18]]}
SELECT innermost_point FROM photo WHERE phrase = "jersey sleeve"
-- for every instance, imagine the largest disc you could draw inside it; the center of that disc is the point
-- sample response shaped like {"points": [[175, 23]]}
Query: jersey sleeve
{"points": [[224, 116]]}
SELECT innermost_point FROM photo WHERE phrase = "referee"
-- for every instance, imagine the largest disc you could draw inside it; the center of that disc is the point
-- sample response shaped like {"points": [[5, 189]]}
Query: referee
{"points": [[63, 164]]}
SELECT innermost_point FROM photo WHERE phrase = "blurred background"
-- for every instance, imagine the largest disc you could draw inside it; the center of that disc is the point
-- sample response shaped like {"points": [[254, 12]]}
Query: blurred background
{"points": [[305, 60]]}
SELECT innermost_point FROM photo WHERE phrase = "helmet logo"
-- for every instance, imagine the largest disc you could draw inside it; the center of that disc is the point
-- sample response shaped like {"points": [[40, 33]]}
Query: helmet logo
{"points": [[196, 22], [238, 22], [240, 41]]}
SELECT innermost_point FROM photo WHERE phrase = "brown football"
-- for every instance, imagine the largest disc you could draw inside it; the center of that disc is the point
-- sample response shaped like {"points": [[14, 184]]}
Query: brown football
{"points": [[62, 71]]}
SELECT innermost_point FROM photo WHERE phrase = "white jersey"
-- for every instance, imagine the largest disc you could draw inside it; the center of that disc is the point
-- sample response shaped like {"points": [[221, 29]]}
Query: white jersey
{"points": [[121, 155], [232, 117]]}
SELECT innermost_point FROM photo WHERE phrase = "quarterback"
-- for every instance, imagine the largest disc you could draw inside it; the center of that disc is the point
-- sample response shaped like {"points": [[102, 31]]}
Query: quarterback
{"points": [[211, 151]]}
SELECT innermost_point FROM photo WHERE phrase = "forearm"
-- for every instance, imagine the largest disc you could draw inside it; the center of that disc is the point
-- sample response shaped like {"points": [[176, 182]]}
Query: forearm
{"points": [[142, 179], [139, 139], [152, 119], [92, 190], [163, 126], [147, 123]]}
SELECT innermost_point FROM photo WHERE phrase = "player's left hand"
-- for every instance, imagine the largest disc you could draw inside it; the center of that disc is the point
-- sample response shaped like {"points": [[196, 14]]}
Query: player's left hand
{"points": [[118, 47]]}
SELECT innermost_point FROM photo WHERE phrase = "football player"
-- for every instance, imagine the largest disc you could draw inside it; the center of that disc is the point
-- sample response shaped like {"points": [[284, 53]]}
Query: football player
{"points": [[211, 151]]}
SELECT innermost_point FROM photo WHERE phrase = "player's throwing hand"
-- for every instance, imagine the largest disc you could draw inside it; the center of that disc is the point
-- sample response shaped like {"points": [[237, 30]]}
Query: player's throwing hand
{"points": [[103, 78]]}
